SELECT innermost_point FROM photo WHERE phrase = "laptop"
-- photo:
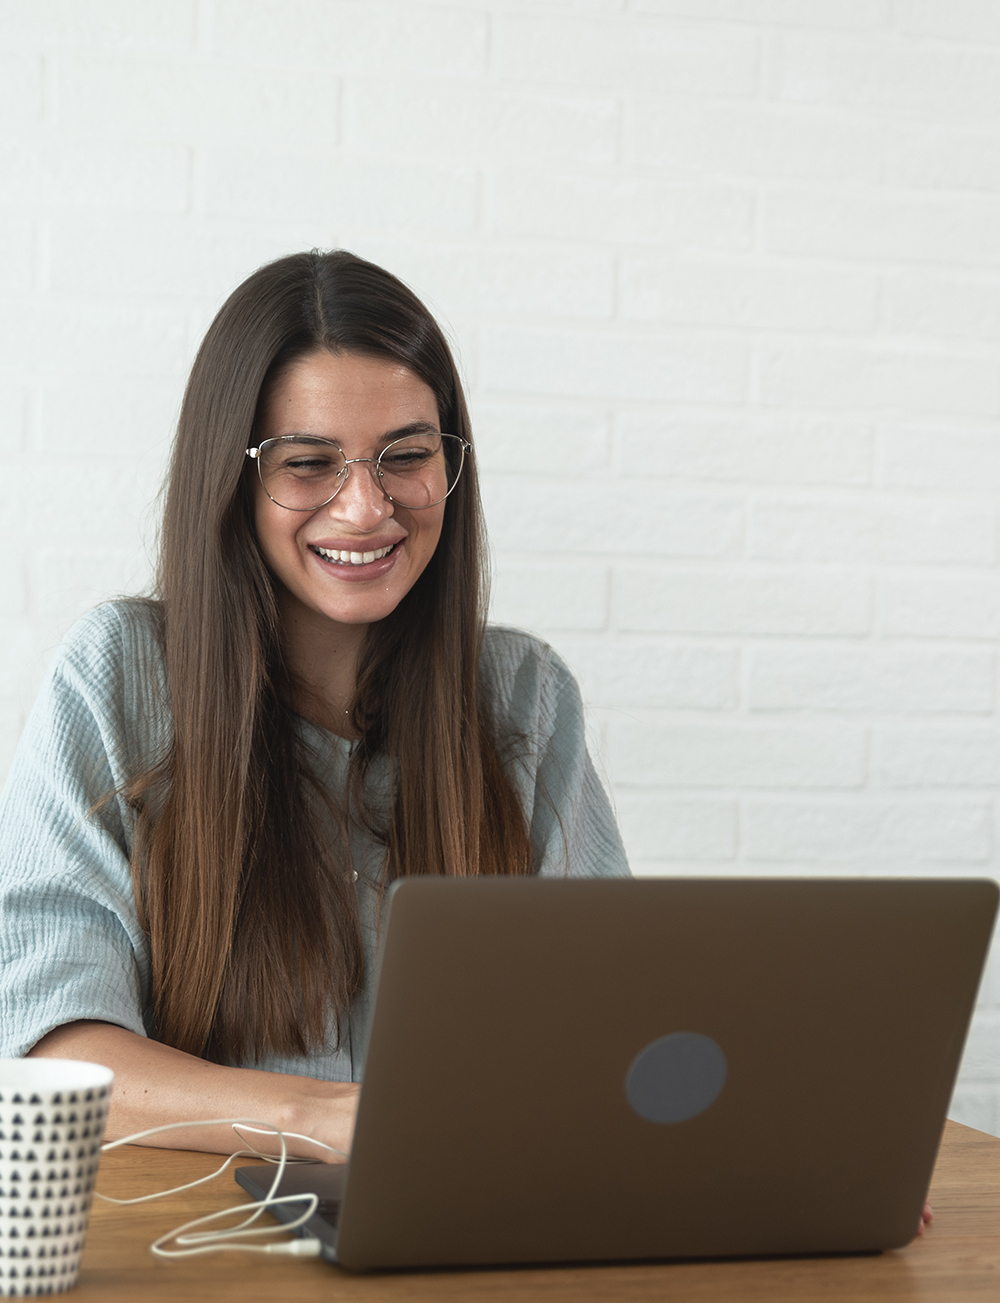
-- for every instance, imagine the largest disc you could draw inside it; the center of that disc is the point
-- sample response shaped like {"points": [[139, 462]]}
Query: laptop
{"points": [[600, 1070]]}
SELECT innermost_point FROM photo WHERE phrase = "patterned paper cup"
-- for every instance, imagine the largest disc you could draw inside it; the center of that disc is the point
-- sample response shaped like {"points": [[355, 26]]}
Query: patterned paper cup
{"points": [[52, 1115]]}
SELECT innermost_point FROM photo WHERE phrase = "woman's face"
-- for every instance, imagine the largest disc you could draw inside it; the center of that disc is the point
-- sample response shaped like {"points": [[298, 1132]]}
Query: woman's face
{"points": [[360, 403]]}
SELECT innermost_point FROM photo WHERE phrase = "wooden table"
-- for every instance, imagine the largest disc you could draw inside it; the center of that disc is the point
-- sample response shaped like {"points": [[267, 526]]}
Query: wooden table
{"points": [[958, 1256]]}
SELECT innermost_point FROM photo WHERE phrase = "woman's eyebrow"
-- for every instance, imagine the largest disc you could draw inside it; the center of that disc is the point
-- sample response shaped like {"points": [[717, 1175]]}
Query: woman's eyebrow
{"points": [[414, 427]]}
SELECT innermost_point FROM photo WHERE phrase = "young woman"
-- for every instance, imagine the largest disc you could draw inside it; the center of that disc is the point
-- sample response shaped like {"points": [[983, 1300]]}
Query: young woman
{"points": [[216, 786]]}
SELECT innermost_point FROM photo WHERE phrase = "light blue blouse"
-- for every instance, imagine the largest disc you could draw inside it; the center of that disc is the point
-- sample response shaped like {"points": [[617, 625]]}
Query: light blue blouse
{"points": [[70, 942]]}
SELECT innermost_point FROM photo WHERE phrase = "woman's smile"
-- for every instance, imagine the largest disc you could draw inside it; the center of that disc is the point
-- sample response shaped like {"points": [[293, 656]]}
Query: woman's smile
{"points": [[345, 557], [355, 562]]}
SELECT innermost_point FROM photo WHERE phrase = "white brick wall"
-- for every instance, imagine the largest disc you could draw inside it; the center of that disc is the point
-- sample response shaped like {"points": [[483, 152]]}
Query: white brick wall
{"points": [[724, 276]]}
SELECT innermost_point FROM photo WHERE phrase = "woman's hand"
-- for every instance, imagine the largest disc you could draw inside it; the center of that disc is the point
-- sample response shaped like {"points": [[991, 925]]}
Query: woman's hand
{"points": [[155, 1084], [926, 1216]]}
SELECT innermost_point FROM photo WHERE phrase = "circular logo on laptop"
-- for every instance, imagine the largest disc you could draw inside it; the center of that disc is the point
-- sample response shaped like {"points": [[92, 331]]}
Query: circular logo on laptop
{"points": [[676, 1077]]}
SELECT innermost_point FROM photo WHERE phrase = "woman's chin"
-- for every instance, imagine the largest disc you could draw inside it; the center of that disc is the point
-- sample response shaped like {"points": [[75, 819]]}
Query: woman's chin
{"points": [[354, 608]]}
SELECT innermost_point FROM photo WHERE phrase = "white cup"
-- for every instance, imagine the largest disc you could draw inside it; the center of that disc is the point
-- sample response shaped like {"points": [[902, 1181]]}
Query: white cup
{"points": [[52, 1114]]}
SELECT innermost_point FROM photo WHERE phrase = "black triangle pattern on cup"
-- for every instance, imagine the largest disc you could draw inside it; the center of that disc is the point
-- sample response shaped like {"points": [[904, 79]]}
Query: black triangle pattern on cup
{"points": [[49, 1155], [57, 1097]]}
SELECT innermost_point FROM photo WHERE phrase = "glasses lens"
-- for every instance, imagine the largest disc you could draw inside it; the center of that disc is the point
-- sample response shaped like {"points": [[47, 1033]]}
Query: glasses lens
{"points": [[422, 469], [299, 472]]}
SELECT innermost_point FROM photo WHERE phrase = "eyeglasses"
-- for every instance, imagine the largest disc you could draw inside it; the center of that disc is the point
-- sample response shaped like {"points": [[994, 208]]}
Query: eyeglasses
{"points": [[302, 472]]}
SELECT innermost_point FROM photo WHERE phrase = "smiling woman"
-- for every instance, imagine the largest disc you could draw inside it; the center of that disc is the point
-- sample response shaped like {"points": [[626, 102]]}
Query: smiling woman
{"points": [[218, 782]]}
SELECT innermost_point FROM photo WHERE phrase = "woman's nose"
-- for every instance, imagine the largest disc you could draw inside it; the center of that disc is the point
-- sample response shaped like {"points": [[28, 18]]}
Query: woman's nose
{"points": [[361, 501]]}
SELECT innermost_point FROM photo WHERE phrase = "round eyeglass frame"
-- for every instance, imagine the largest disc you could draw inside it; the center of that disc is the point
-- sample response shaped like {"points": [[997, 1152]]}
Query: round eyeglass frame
{"points": [[343, 475]]}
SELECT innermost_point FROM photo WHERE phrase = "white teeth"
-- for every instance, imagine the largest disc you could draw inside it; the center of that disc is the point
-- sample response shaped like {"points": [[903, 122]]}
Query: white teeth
{"points": [[354, 558]]}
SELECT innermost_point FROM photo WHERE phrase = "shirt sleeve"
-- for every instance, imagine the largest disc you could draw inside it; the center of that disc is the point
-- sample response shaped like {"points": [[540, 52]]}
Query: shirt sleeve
{"points": [[572, 825], [70, 943]]}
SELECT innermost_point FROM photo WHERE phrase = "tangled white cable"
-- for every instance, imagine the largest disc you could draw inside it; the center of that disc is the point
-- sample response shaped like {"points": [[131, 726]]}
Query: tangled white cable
{"points": [[192, 1242]]}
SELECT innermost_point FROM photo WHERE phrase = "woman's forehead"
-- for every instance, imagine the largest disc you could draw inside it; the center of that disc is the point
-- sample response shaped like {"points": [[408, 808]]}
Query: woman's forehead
{"points": [[341, 394]]}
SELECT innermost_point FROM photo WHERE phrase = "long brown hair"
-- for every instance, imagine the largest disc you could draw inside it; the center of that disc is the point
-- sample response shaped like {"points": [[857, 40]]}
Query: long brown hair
{"points": [[243, 888]]}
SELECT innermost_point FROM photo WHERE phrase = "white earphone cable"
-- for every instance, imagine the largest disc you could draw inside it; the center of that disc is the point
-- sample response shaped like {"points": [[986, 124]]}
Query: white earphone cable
{"points": [[192, 1242]]}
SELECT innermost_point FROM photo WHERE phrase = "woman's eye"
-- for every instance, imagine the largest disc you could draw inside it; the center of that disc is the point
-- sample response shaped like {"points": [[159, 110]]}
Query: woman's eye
{"points": [[308, 465], [411, 457]]}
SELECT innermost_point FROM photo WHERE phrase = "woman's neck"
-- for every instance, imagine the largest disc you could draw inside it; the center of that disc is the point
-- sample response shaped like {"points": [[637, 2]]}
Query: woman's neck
{"points": [[322, 656]]}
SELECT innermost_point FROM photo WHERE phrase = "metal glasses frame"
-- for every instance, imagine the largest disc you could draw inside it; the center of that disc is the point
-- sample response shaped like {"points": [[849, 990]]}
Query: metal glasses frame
{"points": [[343, 474]]}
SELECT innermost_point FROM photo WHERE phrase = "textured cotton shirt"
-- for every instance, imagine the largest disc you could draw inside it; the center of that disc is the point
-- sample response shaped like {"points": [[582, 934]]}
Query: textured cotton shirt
{"points": [[71, 946]]}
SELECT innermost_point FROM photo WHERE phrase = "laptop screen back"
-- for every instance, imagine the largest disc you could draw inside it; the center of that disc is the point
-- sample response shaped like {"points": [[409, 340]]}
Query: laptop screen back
{"points": [[572, 1070]]}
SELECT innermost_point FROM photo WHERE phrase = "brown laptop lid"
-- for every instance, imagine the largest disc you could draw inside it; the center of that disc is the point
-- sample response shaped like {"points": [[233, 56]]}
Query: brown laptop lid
{"points": [[495, 1122]]}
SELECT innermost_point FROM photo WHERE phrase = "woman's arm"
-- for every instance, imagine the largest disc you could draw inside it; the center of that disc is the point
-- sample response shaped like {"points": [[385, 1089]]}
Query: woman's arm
{"points": [[73, 955], [155, 1084]]}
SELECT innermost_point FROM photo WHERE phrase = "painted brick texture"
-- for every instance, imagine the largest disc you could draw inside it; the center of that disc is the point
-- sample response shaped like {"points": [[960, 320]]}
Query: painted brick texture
{"points": [[724, 279]]}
